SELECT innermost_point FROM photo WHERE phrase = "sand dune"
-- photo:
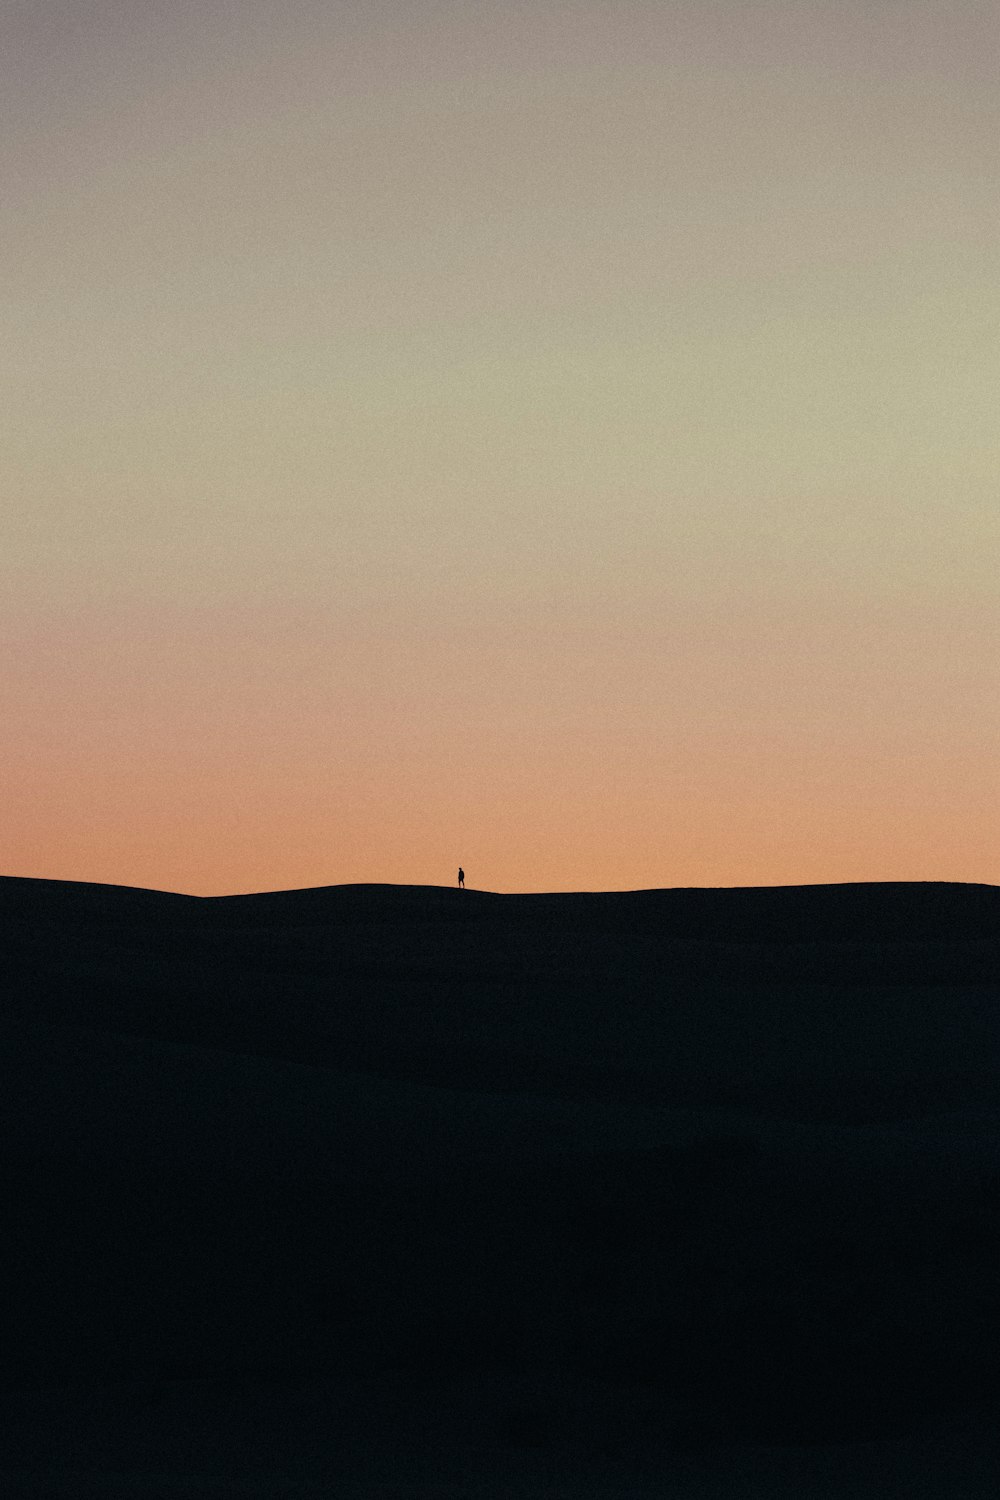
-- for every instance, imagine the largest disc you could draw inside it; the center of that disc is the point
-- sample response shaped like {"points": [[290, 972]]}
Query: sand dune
{"points": [[659, 1175]]}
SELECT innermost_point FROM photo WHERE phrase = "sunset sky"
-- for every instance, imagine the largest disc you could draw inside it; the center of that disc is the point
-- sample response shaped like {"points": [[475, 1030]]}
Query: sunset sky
{"points": [[560, 438]]}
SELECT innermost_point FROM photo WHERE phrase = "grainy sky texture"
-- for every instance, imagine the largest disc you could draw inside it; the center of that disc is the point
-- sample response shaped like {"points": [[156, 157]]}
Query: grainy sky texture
{"points": [[560, 438]]}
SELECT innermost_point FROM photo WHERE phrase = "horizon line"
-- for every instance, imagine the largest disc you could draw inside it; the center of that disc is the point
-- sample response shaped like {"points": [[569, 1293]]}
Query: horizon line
{"points": [[373, 885]]}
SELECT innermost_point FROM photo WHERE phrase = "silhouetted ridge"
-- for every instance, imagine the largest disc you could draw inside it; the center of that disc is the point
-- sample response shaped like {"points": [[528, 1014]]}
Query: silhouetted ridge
{"points": [[737, 1146], [28, 899], [883, 911]]}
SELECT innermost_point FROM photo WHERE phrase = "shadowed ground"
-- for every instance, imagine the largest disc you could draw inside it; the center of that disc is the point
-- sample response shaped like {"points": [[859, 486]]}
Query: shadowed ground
{"points": [[403, 1186]]}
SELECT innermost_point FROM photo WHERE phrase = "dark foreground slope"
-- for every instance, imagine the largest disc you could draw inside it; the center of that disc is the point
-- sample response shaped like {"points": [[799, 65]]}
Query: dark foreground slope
{"points": [[648, 1174]]}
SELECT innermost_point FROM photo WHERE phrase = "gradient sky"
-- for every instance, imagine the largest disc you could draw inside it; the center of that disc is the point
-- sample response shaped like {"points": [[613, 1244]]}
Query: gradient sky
{"points": [[556, 437]]}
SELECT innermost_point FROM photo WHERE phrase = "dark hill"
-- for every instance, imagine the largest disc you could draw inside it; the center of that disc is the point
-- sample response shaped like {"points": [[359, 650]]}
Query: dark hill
{"points": [[901, 911], [725, 1155]]}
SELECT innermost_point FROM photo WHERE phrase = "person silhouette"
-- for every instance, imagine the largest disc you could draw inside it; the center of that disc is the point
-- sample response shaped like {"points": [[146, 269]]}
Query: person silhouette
{"points": [[461, 878]]}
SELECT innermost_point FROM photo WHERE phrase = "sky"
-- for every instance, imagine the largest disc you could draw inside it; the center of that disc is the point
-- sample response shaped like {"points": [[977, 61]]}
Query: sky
{"points": [[556, 438]]}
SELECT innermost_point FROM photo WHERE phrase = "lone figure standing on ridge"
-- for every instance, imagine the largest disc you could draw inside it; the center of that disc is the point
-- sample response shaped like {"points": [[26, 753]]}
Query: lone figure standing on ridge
{"points": [[461, 878]]}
